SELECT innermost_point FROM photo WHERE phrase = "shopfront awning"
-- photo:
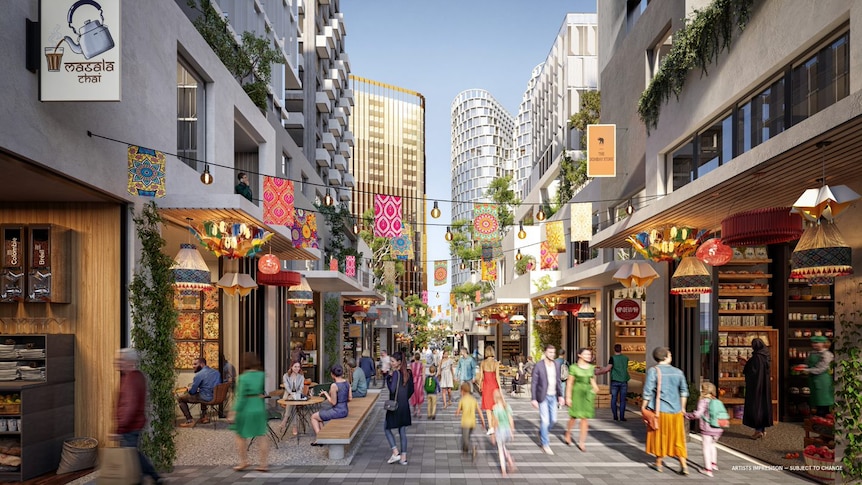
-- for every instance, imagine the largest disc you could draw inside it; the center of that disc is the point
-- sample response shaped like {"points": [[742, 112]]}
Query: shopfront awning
{"points": [[552, 296], [233, 208], [366, 296], [331, 281], [503, 306], [771, 175]]}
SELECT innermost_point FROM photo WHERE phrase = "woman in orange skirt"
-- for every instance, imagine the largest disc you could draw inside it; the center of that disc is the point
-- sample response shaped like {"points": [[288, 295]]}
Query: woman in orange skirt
{"points": [[669, 438]]}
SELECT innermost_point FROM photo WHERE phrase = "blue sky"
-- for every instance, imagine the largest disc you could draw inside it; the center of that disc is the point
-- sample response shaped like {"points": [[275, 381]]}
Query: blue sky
{"points": [[440, 48]]}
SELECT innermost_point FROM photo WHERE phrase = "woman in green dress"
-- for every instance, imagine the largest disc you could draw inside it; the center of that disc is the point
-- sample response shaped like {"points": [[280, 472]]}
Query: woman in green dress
{"points": [[249, 412], [582, 400]]}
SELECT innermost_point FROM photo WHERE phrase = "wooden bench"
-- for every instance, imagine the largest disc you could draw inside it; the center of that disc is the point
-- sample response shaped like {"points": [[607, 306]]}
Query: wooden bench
{"points": [[338, 434]]}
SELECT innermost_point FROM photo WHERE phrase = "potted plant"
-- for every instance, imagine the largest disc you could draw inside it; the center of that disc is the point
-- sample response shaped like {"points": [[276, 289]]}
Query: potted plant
{"points": [[525, 264]]}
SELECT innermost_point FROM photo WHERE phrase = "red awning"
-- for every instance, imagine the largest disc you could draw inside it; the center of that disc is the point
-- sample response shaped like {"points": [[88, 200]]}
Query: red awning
{"points": [[282, 278]]}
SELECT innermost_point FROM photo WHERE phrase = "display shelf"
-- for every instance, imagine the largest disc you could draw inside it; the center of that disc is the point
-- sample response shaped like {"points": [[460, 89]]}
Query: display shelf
{"points": [[743, 277], [744, 312], [744, 329], [747, 262], [744, 293], [733, 343]]}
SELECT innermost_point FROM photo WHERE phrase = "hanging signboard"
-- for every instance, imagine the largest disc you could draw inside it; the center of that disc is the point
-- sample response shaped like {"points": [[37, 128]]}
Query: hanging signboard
{"points": [[626, 309], [80, 50], [601, 150]]}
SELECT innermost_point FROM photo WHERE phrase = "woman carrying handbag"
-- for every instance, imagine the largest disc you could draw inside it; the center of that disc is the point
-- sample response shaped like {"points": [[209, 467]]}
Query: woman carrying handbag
{"points": [[665, 393], [400, 385]]}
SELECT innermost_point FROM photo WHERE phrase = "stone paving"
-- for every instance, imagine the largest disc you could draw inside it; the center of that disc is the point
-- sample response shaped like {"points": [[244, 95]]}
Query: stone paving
{"points": [[615, 454]]}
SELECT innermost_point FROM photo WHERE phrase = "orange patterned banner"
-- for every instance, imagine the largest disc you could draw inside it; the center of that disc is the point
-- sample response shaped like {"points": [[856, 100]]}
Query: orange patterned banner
{"points": [[278, 201]]}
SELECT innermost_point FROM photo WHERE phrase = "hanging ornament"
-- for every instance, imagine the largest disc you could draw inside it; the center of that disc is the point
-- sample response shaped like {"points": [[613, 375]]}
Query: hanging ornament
{"points": [[821, 253], [691, 279], [269, 264], [636, 274], [190, 271], [667, 243], [714, 252], [237, 284]]}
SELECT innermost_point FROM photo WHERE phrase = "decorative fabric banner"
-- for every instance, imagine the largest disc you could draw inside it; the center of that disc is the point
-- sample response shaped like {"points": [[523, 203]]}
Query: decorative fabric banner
{"points": [[278, 201], [487, 252], [333, 264], [582, 221], [350, 266], [478, 296], [387, 215], [304, 230], [555, 232], [402, 247], [497, 249], [485, 222], [389, 272], [452, 299], [441, 272], [146, 172], [424, 297], [549, 257], [489, 271]]}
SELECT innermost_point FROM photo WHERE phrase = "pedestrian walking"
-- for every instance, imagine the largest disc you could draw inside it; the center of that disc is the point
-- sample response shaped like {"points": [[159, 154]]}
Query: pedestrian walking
{"points": [[384, 364], [468, 407], [418, 397], [618, 366], [708, 433], [432, 388], [547, 392], [446, 376], [367, 366], [665, 392], [581, 399], [489, 380], [249, 414], [757, 412], [466, 368], [400, 385], [504, 423]]}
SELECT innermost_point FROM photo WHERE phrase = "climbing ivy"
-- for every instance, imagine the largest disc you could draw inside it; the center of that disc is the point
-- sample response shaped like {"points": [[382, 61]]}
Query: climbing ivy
{"points": [[848, 389], [705, 35], [331, 330], [151, 295]]}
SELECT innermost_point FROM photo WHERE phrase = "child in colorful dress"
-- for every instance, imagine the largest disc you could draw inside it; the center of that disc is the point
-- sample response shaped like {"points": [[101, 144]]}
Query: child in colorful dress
{"points": [[468, 406], [504, 424], [709, 434]]}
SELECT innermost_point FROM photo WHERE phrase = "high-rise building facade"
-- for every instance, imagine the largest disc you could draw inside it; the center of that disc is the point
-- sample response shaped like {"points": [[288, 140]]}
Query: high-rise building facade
{"points": [[481, 147], [389, 158], [523, 143]]}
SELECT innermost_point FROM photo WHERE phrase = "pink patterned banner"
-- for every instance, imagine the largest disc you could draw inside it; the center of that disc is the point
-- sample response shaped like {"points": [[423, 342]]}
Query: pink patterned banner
{"points": [[549, 257], [333, 264], [387, 216], [425, 297], [350, 266], [278, 201]]}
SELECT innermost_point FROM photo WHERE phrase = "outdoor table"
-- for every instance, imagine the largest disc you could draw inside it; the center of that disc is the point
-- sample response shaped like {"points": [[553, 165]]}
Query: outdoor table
{"points": [[269, 431], [301, 413]]}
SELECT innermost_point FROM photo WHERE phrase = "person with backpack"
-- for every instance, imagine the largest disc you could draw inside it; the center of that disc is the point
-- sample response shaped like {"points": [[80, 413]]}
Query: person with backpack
{"points": [[713, 419], [432, 388]]}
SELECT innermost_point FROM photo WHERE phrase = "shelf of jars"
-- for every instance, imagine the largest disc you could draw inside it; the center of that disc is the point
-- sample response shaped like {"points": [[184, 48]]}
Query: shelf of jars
{"points": [[632, 338], [735, 342]]}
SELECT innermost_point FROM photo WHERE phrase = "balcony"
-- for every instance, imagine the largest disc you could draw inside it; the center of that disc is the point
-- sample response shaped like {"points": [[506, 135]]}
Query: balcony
{"points": [[324, 105], [333, 177], [292, 119], [337, 77], [344, 149], [330, 37], [337, 24], [348, 180], [344, 195], [330, 87], [328, 141], [321, 156], [344, 58], [339, 162], [346, 105], [340, 115], [348, 138], [324, 51], [335, 128]]}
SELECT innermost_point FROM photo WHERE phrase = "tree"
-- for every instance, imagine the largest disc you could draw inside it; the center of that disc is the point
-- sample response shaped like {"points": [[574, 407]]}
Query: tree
{"points": [[154, 319], [573, 173], [338, 219], [381, 249], [500, 191]]}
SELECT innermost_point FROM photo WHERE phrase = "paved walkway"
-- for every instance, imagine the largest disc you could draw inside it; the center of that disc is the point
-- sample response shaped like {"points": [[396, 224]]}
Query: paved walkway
{"points": [[615, 454]]}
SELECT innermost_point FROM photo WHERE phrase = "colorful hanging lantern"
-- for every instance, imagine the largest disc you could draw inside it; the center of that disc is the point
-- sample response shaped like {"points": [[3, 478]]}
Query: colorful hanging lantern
{"points": [[760, 227], [233, 241], [714, 252], [826, 202], [516, 320], [300, 295], [190, 270], [691, 279], [236, 284], [667, 244], [636, 274], [269, 264], [821, 253]]}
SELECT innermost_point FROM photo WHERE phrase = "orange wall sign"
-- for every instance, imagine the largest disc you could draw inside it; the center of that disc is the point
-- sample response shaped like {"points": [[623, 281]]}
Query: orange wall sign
{"points": [[601, 150]]}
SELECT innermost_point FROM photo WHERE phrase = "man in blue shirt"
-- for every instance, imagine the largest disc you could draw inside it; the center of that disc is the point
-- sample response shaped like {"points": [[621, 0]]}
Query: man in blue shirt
{"points": [[367, 366], [466, 369], [200, 391]]}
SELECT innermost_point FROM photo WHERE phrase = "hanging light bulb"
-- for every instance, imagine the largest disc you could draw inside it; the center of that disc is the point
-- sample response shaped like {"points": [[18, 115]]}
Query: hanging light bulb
{"points": [[449, 236], [435, 212], [522, 234], [328, 199], [206, 177], [540, 216], [438, 294], [518, 255], [355, 228], [463, 265], [630, 209]]}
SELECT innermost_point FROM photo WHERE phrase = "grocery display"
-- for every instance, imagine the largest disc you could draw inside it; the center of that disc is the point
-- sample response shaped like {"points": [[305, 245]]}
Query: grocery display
{"points": [[631, 336], [819, 451]]}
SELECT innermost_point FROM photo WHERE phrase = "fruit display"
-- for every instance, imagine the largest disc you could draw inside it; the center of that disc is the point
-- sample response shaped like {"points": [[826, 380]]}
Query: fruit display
{"points": [[637, 366], [820, 452], [10, 399]]}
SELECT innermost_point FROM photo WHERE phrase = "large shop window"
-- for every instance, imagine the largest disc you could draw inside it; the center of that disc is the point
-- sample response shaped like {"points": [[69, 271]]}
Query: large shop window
{"points": [[716, 146], [190, 116], [821, 80], [762, 117], [683, 165]]}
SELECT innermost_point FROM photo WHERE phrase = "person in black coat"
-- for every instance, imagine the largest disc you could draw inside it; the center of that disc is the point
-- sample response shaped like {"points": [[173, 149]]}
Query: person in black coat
{"points": [[758, 389], [400, 384]]}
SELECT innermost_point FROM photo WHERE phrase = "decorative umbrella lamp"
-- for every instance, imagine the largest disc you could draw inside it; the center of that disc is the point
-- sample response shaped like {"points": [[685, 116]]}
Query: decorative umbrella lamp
{"points": [[190, 270], [236, 284], [517, 320], [558, 314], [636, 274], [691, 279], [300, 295], [821, 254]]}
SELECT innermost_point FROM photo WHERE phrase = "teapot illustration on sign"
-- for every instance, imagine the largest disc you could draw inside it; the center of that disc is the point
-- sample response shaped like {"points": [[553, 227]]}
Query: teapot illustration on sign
{"points": [[94, 37]]}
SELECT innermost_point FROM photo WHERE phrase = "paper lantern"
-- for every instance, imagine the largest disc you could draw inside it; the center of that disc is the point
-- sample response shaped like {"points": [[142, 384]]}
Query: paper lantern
{"points": [[714, 252], [282, 278], [821, 253], [826, 202], [517, 320], [668, 243], [300, 295], [760, 227], [269, 264], [691, 279], [237, 284], [558, 314], [636, 274], [190, 270], [586, 310]]}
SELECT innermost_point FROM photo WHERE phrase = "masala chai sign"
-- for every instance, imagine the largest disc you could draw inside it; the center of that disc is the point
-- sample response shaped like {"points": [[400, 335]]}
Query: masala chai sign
{"points": [[80, 53], [601, 151]]}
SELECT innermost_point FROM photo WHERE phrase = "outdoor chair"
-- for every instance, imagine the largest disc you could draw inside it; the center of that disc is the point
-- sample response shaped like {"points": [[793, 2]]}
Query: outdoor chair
{"points": [[220, 396]]}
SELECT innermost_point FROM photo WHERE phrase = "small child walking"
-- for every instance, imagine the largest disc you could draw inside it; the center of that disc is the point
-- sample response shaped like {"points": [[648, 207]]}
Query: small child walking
{"points": [[432, 388], [709, 434], [468, 407], [504, 424]]}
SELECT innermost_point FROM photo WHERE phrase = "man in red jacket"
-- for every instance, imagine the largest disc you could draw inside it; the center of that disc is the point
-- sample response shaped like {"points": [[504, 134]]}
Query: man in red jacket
{"points": [[130, 413]]}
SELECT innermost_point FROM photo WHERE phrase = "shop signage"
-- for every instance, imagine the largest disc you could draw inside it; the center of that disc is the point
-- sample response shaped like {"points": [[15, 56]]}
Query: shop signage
{"points": [[80, 50], [627, 310], [355, 331], [601, 150]]}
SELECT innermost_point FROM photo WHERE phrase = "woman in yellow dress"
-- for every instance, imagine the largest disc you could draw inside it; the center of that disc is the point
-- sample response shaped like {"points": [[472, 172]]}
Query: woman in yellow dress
{"points": [[669, 438]]}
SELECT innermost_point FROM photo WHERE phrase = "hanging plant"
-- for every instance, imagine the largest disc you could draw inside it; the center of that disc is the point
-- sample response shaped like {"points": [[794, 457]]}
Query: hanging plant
{"points": [[331, 330], [526, 263], [705, 35], [848, 387]]}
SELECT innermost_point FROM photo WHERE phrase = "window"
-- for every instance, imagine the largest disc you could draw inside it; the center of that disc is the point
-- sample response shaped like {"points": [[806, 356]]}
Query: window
{"points": [[821, 80], [656, 55], [682, 161], [190, 116], [761, 118], [715, 147], [285, 165]]}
